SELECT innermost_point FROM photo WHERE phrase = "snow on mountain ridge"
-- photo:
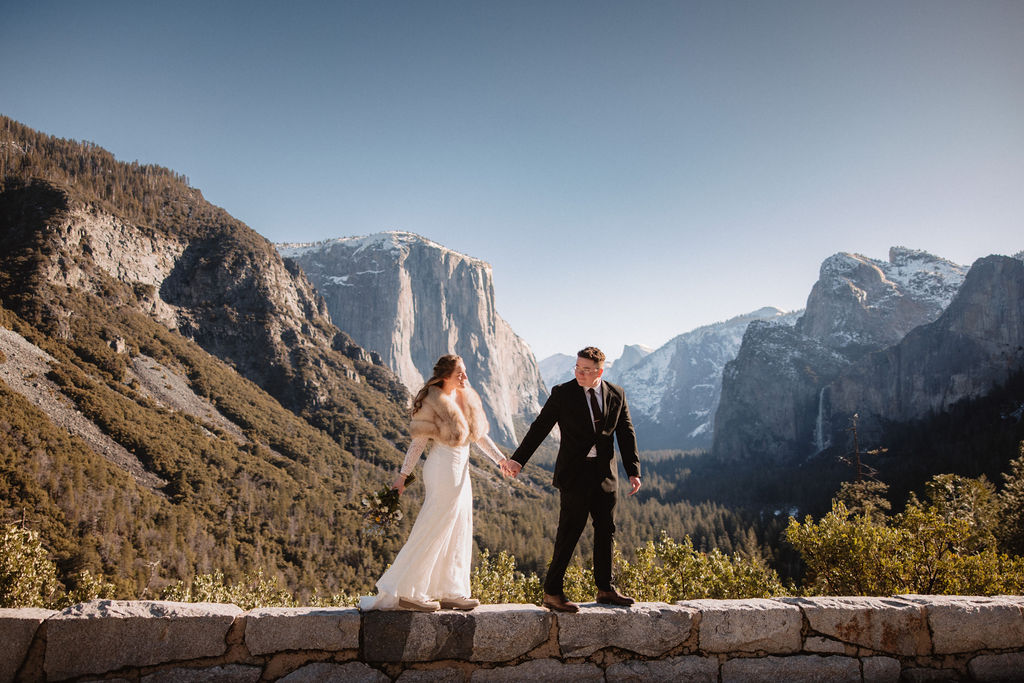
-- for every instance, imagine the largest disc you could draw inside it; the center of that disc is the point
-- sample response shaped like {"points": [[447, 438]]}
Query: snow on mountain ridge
{"points": [[907, 272], [674, 391], [388, 240]]}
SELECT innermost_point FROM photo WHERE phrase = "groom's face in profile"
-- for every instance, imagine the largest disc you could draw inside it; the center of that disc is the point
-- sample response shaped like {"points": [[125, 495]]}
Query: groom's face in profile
{"points": [[588, 373]]}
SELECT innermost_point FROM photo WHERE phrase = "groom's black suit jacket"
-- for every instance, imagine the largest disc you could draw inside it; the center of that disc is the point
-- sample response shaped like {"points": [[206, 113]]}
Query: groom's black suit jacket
{"points": [[567, 407]]}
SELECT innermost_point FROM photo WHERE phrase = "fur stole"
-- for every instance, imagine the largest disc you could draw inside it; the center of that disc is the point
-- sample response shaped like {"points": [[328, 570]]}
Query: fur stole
{"points": [[440, 419]]}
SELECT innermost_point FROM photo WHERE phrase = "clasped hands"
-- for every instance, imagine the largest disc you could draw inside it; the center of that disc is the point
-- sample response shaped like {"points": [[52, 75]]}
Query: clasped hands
{"points": [[510, 468]]}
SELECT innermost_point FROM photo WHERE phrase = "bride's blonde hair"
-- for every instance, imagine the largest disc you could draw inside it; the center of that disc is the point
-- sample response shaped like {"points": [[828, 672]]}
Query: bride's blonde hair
{"points": [[443, 369]]}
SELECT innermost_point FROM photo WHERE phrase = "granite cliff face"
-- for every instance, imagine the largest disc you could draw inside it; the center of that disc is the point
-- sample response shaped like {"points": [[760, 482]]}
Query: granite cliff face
{"points": [[674, 391], [860, 304], [411, 301], [775, 401], [975, 344]]}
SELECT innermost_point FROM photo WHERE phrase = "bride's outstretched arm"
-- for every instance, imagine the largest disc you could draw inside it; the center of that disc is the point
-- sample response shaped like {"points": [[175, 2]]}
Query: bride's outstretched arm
{"points": [[411, 457], [490, 449]]}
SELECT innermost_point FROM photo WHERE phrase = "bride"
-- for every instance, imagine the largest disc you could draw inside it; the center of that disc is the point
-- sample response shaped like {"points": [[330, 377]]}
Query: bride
{"points": [[432, 569]]}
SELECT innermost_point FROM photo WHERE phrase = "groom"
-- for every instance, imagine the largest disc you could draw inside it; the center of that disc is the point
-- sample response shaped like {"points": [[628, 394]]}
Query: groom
{"points": [[590, 414]]}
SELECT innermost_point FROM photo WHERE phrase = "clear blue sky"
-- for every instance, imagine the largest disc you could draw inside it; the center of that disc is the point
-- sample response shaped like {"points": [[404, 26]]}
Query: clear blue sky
{"points": [[631, 170]]}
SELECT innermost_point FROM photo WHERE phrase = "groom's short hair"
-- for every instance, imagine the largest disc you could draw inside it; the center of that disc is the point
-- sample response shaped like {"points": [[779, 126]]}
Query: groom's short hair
{"points": [[591, 353]]}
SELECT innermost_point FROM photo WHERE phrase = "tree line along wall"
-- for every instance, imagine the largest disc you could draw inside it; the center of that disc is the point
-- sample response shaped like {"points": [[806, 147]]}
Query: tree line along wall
{"points": [[908, 637]]}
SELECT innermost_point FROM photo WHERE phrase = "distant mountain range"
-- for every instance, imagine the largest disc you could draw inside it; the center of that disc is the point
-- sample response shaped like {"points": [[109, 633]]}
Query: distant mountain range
{"points": [[777, 367], [673, 391], [558, 368]]}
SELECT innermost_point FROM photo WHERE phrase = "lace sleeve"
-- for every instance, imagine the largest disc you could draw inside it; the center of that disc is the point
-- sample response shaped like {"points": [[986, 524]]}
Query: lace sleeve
{"points": [[413, 454], [490, 449]]}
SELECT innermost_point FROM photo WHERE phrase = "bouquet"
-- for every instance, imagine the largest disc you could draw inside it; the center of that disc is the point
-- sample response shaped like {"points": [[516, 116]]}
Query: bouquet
{"points": [[382, 509]]}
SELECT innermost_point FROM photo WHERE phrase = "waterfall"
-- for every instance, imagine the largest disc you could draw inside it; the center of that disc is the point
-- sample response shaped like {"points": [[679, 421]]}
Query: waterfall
{"points": [[822, 426]]}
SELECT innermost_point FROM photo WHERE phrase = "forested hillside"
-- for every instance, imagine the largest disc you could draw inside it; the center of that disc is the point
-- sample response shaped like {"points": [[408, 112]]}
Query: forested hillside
{"points": [[176, 401]]}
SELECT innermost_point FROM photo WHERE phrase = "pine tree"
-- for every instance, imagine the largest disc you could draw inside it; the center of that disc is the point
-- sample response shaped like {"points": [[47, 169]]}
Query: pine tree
{"points": [[1011, 527]]}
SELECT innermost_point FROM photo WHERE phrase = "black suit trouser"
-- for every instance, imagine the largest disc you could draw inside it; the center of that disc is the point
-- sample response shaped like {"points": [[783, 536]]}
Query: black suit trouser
{"points": [[579, 501]]}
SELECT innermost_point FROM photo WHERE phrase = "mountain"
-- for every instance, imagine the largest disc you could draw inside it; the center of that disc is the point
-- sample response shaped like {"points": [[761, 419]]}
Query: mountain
{"points": [[411, 300], [630, 356], [976, 344], [774, 393], [674, 391], [174, 397], [556, 369], [861, 304]]}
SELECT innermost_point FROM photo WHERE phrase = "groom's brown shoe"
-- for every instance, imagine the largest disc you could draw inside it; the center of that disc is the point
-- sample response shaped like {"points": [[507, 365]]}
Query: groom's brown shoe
{"points": [[559, 603], [614, 597]]}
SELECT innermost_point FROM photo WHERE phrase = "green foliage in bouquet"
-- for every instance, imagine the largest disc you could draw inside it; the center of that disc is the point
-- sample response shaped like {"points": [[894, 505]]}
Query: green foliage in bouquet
{"points": [[382, 509]]}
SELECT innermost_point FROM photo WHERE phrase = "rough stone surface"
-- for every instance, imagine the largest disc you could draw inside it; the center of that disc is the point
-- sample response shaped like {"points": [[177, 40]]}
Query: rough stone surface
{"points": [[820, 645], [748, 626], [881, 624], [967, 624], [647, 628], [541, 670], [505, 632], [232, 673], [107, 635], [881, 669], [1004, 667], [431, 676], [325, 672], [808, 668], [690, 669], [279, 629], [17, 628], [845, 638], [403, 636], [929, 675]]}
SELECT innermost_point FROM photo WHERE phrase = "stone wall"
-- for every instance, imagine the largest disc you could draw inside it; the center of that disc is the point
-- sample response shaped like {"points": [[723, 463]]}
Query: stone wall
{"points": [[909, 637]]}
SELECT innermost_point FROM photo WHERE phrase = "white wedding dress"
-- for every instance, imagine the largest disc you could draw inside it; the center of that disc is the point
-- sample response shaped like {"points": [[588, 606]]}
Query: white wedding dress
{"points": [[434, 563]]}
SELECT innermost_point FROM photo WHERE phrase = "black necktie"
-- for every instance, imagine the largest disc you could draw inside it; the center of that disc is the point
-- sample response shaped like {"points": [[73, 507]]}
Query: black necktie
{"points": [[595, 408]]}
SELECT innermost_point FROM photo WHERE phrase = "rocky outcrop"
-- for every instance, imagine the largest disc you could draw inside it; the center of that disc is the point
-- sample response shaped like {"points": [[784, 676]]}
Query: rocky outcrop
{"points": [[411, 301], [977, 343], [775, 398], [675, 390], [911, 637], [210, 278], [860, 304]]}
